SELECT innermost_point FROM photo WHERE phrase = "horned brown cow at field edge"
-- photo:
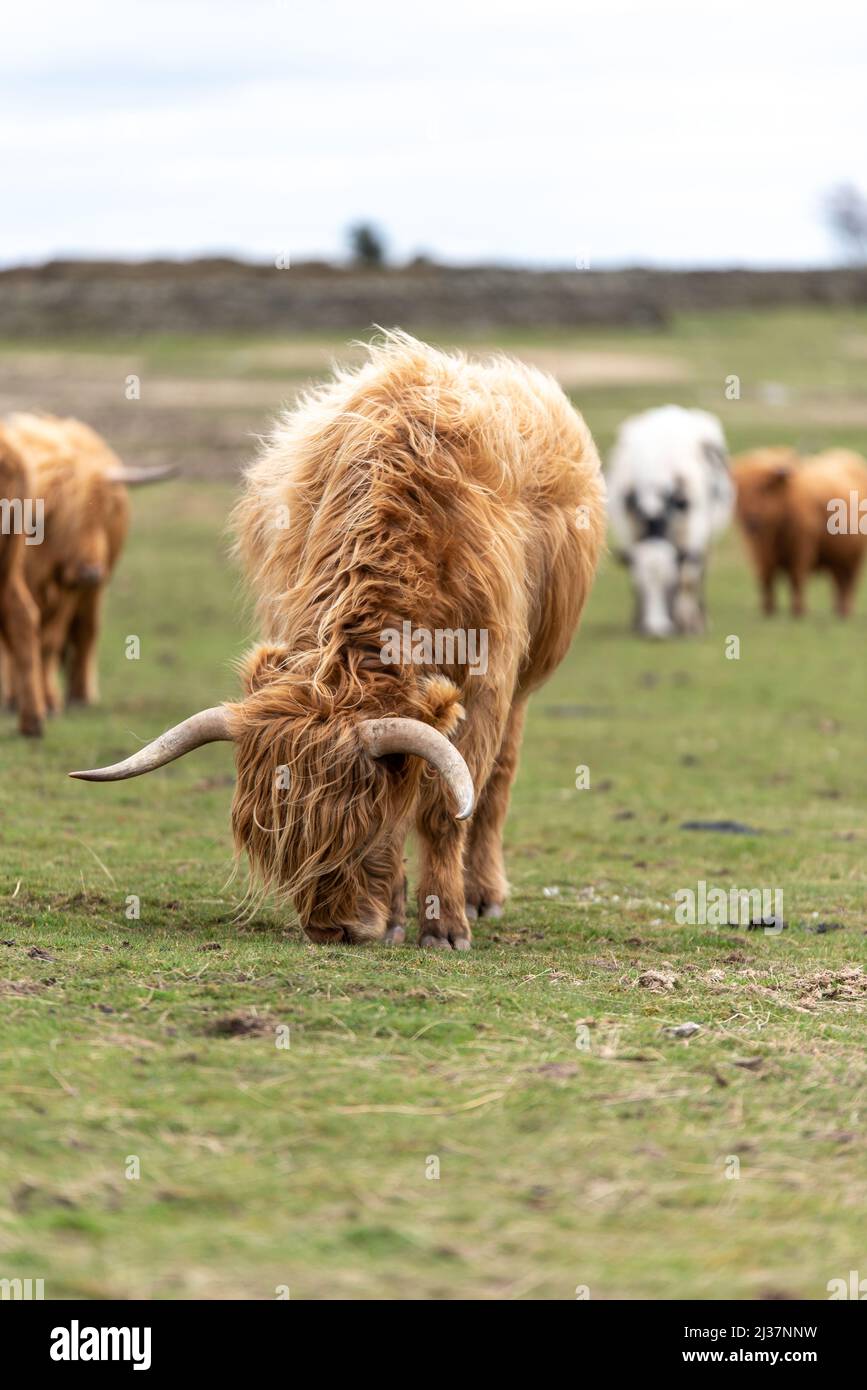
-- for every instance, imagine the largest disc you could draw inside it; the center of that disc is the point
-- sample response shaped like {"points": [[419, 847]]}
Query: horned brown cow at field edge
{"points": [[792, 514], [81, 484], [463, 501]]}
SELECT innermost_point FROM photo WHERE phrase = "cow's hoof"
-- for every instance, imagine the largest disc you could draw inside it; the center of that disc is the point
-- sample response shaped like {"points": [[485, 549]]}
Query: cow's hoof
{"points": [[475, 911], [31, 728], [429, 942], [395, 935]]}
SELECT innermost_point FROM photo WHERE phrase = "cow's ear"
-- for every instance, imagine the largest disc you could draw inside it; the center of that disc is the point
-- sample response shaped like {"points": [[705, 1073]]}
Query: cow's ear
{"points": [[261, 666], [779, 476], [441, 704], [715, 455]]}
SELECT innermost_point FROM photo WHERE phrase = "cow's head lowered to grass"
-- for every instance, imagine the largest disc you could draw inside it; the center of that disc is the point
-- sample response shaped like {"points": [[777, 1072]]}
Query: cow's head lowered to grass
{"points": [[324, 789], [456, 506]]}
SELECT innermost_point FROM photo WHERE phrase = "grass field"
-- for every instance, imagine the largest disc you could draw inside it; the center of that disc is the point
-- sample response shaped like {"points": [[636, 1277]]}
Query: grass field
{"points": [[579, 1144]]}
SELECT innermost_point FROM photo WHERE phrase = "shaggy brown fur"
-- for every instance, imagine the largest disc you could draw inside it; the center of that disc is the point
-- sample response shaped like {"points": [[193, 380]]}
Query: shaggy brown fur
{"points": [[782, 506], [428, 489], [19, 618], [86, 521]]}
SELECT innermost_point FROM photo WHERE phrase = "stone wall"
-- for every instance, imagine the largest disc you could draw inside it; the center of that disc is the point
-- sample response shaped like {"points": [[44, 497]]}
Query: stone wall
{"points": [[228, 296]]}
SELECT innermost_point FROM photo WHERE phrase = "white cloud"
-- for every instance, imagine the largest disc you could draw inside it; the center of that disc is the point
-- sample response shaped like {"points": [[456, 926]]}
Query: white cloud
{"points": [[668, 133]]}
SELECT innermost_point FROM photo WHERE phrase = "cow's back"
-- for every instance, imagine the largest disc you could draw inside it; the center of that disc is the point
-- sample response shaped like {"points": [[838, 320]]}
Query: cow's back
{"points": [[825, 482], [430, 489]]}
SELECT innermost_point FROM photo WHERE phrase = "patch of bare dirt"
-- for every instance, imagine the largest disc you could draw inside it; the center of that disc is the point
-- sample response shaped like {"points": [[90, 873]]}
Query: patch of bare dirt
{"points": [[576, 367], [246, 1023], [830, 411], [20, 987]]}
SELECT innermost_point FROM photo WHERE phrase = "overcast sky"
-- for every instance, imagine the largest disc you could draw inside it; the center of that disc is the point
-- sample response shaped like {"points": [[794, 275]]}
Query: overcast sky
{"points": [[663, 132]]}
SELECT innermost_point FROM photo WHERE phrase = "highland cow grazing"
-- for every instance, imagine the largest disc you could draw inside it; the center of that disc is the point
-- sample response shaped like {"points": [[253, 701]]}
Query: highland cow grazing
{"points": [[669, 494], [459, 498], [19, 617], [801, 516], [81, 483]]}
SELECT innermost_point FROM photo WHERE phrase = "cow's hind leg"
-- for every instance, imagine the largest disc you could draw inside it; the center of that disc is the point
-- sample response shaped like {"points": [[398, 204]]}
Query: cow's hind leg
{"points": [[845, 581], [485, 882]]}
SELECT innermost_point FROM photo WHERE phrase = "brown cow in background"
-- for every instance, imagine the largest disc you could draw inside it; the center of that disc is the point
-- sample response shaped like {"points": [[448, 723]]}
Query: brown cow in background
{"points": [[790, 511], [86, 517], [19, 617]]}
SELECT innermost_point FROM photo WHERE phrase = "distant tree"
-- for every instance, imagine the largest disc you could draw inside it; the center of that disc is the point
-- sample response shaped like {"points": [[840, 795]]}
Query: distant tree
{"points": [[847, 217], [366, 244]]}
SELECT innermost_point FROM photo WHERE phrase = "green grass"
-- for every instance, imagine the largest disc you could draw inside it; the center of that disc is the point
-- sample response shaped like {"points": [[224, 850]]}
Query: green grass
{"points": [[560, 1166]]}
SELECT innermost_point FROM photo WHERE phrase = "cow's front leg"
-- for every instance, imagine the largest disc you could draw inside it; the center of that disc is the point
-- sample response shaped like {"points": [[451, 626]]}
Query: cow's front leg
{"points": [[7, 678], [442, 921], [801, 562], [688, 607], [55, 626], [53, 696], [395, 932], [19, 623], [83, 684]]}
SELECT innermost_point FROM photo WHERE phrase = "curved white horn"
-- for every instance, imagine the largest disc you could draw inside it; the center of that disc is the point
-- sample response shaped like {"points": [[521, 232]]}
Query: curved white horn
{"points": [[133, 477], [208, 726], [382, 736]]}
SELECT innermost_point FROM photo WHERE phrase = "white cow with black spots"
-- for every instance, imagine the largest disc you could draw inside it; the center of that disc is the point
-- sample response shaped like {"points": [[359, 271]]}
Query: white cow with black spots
{"points": [[669, 494]]}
